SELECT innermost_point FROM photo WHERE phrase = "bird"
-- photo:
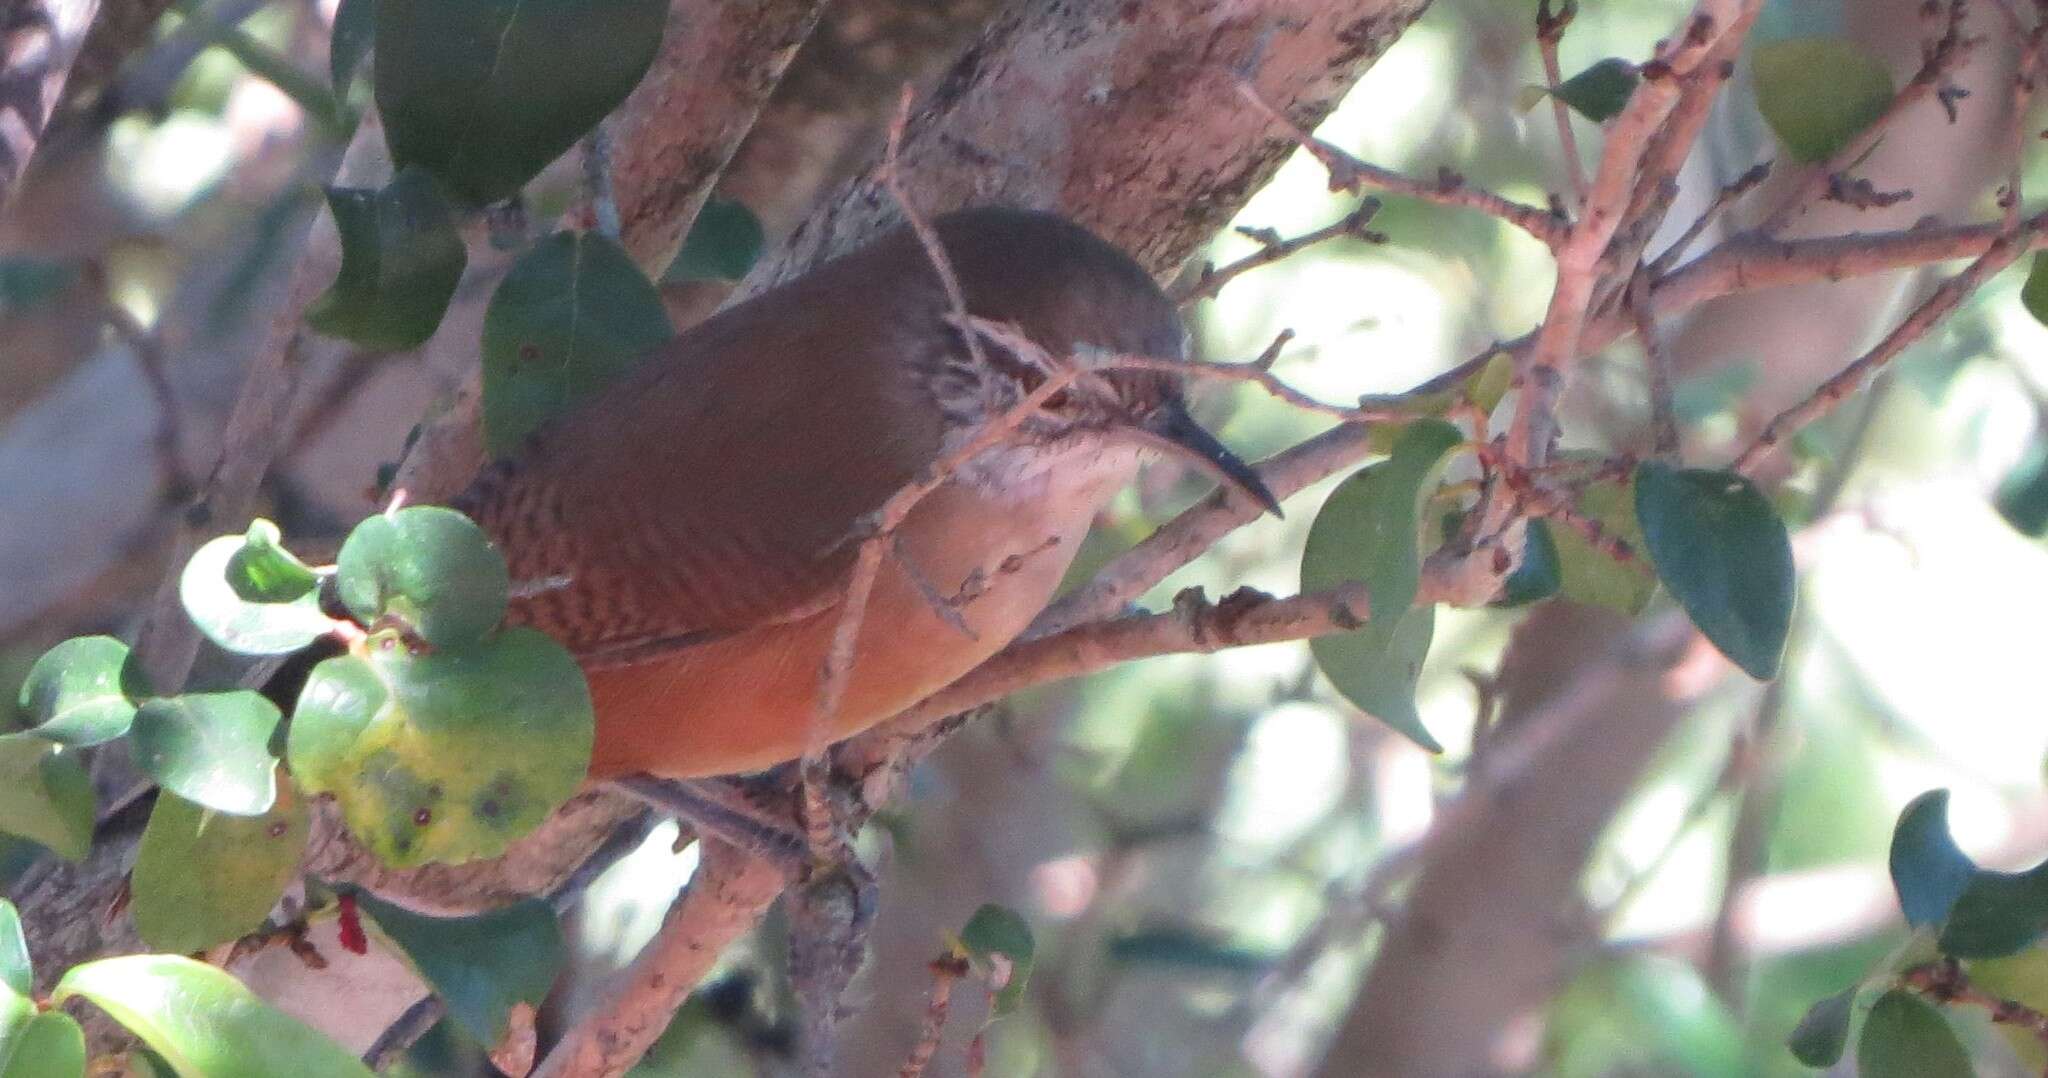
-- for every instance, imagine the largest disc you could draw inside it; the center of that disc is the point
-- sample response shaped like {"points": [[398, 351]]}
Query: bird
{"points": [[689, 531]]}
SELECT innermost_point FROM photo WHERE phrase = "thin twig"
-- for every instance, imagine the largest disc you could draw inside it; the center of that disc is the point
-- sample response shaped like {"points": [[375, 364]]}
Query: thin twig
{"points": [[1728, 194], [1657, 362], [1944, 981], [1348, 173], [1272, 249], [1937, 306], [1549, 33], [148, 350], [947, 970]]}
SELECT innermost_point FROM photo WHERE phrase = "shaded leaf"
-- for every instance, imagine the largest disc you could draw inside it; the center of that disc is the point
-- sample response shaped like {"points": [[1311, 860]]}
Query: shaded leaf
{"points": [[49, 1045], [1600, 92], [1997, 914], [1818, 93], [723, 244], [401, 259], [1928, 869], [1720, 547], [211, 747], [203, 878], [203, 1021], [222, 589], [2034, 293], [479, 966], [355, 24], [80, 692], [447, 756], [1540, 574], [1820, 1036], [572, 316], [485, 93], [1370, 530], [2022, 497], [1905, 1037], [1186, 949], [431, 568], [45, 796], [1001, 932]]}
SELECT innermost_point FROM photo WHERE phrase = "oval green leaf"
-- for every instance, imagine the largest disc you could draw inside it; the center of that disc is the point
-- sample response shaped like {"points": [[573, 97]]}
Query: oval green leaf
{"points": [[479, 966], [1818, 93], [203, 878], [1928, 869], [15, 970], [1600, 92], [427, 566], [485, 93], [1905, 1037], [448, 756], [1823, 1032], [204, 1022], [1720, 547], [82, 691], [571, 317], [1591, 575], [724, 242], [49, 1045], [999, 931], [214, 589], [1370, 530], [46, 796], [17, 1010], [211, 747], [401, 259]]}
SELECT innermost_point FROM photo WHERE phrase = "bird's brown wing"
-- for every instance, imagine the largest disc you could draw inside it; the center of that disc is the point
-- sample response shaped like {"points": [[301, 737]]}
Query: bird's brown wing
{"points": [[713, 489]]}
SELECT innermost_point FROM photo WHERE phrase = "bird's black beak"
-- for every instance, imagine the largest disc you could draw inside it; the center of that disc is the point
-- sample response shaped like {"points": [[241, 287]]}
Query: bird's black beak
{"points": [[1171, 428]]}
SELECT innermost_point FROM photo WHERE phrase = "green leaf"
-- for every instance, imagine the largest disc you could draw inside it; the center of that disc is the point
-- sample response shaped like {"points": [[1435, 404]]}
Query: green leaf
{"points": [[1370, 530], [1719, 546], [569, 319], [1600, 92], [15, 970], [431, 568], [80, 692], [1591, 576], [263, 571], [1905, 1037], [211, 747], [400, 261], [49, 1045], [355, 23], [17, 1010], [485, 93], [1186, 949], [45, 796], [1928, 869], [2022, 498], [1541, 573], [222, 589], [479, 966], [203, 878], [1001, 932], [1820, 1036], [204, 1022], [447, 756], [723, 244], [1997, 914], [1818, 93]]}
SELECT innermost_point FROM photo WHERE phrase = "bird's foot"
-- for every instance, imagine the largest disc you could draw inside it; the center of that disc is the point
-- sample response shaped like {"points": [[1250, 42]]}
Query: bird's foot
{"points": [[743, 813]]}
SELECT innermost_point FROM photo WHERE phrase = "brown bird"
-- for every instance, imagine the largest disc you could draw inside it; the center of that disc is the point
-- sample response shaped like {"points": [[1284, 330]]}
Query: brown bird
{"points": [[688, 532]]}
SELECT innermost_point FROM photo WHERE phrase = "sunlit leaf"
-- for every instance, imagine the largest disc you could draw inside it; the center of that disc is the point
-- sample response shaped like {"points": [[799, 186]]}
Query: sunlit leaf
{"points": [[237, 594], [1600, 92], [447, 756], [1820, 1036], [45, 796], [1928, 869], [723, 244], [485, 93], [1370, 530], [1818, 93], [203, 878], [1906, 1037], [572, 316], [479, 966], [1001, 932], [1591, 575], [1720, 547], [203, 1021], [17, 1010], [401, 259], [263, 571], [430, 567], [211, 747], [15, 970], [49, 1045], [82, 691]]}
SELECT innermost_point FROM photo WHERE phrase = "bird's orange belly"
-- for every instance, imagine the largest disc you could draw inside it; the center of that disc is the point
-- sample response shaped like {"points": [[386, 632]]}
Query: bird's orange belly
{"points": [[750, 700]]}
